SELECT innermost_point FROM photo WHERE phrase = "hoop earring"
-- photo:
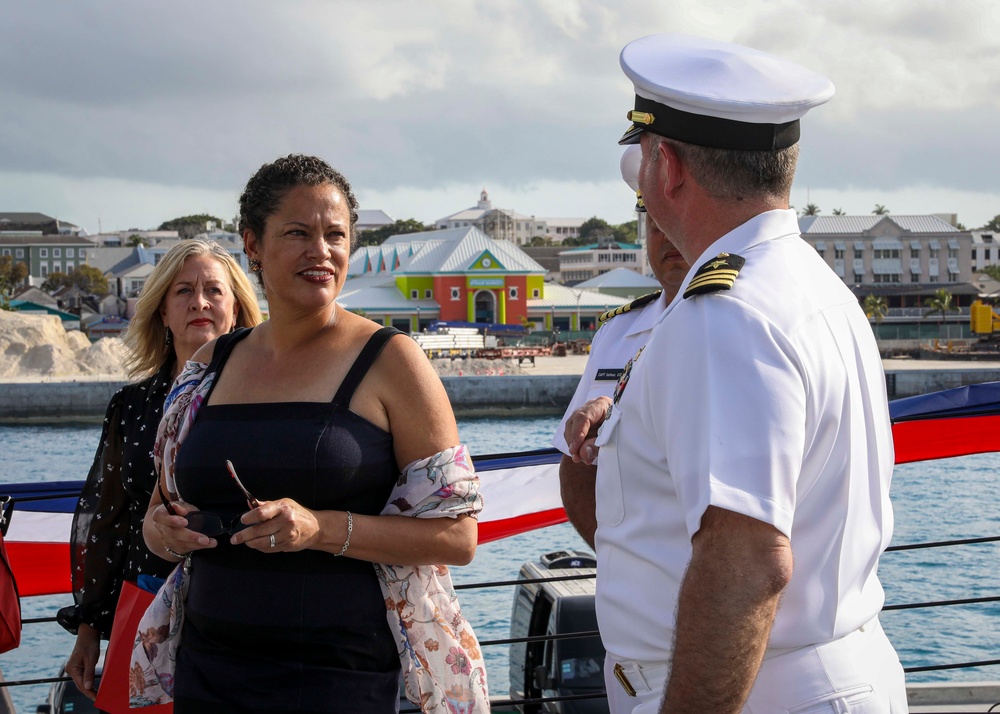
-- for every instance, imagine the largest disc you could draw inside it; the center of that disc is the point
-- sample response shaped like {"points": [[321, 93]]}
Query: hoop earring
{"points": [[170, 337], [254, 265]]}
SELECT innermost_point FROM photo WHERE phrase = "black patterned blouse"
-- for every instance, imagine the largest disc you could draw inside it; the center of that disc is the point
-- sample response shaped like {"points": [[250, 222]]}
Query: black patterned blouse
{"points": [[106, 540]]}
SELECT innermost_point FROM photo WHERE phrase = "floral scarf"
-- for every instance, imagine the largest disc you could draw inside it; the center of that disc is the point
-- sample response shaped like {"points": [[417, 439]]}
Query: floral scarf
{"points": [[442, 663]]}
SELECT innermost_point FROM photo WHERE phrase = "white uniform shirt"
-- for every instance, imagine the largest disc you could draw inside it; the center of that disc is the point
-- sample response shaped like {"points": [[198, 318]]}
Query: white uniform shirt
{"points": [[612, 347], [768, 400]]}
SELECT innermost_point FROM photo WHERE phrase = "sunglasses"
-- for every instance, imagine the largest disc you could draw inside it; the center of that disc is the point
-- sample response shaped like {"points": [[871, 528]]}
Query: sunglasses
{"points": [[211, 524]]}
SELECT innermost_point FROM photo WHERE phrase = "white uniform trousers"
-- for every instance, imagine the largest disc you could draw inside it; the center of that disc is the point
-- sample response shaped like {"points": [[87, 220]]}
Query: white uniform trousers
{"points": [[857, 674]]}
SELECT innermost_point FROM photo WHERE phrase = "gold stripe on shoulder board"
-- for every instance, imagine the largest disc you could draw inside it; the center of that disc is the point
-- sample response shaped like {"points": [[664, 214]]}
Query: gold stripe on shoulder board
{"points": [[717, 274], [634, 305]]}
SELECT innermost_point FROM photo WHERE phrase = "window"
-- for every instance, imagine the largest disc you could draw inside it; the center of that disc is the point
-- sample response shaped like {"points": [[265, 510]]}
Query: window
{"points": [[57, 252], [886, 278], [19, 253], [973, 255], [858, 253], [45, 271], [838, 253], [43, 252], [536, 293], [428, 293], [859, 278], [5, 251], [914, 277], [933, 278], [456, 294], [57, 267], [70, 266], [414, 294], [512, 292], [70, 253], [883, 253]]}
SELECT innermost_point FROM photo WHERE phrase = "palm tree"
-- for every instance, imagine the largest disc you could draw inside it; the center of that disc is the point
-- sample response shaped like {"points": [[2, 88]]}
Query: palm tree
{"points": [[876, 306], [880, 210], [811, 209], [940, 304], [839, 212]]}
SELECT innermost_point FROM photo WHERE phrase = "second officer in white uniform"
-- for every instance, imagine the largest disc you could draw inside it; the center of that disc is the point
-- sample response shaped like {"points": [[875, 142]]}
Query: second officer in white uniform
{"points": [[623, 331]]}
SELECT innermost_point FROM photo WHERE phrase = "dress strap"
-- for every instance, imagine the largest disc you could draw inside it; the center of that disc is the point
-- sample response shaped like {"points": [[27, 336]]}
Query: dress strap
{"points": [[362, 364], [223, 349]]}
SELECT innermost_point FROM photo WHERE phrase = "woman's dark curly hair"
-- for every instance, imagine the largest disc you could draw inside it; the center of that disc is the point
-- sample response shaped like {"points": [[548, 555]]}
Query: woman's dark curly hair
{"points": [[268, 186]]}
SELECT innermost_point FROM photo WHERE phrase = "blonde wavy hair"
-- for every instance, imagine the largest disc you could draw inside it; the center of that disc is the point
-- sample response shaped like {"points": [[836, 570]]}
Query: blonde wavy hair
{"points": [[146, 337]]}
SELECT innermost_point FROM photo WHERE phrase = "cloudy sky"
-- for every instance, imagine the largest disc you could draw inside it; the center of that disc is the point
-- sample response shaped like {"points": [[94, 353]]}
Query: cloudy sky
{"points": [[117, 114]]}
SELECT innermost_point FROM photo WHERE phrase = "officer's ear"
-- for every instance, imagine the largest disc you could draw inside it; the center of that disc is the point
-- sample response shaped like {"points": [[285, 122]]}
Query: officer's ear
{"points": [[673, 172]]}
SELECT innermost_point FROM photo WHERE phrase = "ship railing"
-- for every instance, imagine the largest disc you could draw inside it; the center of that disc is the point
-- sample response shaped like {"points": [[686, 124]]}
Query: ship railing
{"points": [[498, 702]]}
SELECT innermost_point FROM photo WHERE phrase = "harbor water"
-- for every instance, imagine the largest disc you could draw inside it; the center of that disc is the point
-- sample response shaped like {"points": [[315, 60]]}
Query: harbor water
{"points": [[933, 501]]}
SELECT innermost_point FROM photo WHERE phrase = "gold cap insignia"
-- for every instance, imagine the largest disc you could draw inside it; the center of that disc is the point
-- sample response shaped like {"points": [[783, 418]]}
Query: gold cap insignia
{"points": [[637, 117]]}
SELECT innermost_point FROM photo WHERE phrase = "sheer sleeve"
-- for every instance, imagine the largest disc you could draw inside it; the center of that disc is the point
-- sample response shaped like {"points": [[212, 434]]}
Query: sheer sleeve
{"points": [[99, 540]]}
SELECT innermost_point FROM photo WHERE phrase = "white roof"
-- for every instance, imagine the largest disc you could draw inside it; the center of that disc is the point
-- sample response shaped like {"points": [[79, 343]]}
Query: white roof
{"points": [[560, 296], [620, 278], [378, 292], [859, 224], [469, 214], [373, 218], [454, 250]]}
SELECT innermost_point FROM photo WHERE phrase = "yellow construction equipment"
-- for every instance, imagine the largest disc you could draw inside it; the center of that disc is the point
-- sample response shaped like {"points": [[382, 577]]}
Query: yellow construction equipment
{"points": [[983, 320]]}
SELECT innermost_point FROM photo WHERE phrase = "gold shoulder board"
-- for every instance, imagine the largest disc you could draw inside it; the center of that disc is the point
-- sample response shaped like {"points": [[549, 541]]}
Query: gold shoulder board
{"points": [[715, 275], [634, 305]]}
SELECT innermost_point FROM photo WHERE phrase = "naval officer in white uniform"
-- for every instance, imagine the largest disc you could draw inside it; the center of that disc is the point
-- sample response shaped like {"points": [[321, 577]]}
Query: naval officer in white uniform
{"points": [[615, 343], [744, 469]]}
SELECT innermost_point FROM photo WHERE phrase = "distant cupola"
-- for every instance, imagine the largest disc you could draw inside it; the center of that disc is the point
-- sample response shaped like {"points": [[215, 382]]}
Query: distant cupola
{"points": [[484, 201]]}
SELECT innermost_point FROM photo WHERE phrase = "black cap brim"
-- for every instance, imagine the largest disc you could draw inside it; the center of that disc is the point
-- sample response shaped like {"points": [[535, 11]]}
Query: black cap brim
{"points": [[632, 136]]}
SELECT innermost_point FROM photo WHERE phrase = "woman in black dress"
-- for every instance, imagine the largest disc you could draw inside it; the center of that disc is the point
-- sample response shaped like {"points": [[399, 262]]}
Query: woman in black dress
{"points": [[317, 409], [194, 294]]}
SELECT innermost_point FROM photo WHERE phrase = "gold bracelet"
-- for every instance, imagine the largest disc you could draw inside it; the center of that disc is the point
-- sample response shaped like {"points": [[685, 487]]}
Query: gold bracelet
{"points": [[350, 529]]}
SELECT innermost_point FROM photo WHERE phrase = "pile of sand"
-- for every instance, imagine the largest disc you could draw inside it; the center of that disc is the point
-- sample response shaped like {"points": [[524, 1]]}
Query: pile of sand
{"points": [[38, 345]]}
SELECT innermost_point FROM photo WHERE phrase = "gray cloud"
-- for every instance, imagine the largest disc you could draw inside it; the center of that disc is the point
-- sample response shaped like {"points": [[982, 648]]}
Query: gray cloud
{"points": [[425, 96]]}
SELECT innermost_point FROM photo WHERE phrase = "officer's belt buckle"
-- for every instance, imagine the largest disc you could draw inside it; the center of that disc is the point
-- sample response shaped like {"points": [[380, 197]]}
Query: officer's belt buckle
{"points": [[623, 680]]}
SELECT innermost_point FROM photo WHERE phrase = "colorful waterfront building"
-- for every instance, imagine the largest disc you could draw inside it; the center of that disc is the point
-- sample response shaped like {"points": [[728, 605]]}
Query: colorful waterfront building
{"points": [[462, 275]]}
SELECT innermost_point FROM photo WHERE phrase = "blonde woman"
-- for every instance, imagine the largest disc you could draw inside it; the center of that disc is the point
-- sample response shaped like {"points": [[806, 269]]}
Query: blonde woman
{"points": [[195, 293]]}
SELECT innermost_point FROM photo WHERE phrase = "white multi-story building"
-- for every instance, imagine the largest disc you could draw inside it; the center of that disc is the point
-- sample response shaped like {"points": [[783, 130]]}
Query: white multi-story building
{"points": [[588, 261], [985, 249], [892, 250], [506, 224]]}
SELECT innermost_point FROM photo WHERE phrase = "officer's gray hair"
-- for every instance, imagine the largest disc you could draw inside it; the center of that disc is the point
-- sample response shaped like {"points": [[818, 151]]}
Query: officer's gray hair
{"points": [[734, 175]]}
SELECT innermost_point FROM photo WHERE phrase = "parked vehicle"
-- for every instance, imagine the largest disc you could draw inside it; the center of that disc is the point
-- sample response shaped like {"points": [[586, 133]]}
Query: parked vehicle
{"points": [[556, 668]]}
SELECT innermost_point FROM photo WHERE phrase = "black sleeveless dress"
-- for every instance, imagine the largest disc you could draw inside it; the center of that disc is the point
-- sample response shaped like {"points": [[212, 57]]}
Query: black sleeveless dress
{"points": [[286, 632]]}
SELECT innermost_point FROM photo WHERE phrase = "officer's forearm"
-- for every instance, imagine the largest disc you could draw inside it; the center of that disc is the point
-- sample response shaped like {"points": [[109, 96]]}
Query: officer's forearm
{"points": [[576, 485], [739, 567]]}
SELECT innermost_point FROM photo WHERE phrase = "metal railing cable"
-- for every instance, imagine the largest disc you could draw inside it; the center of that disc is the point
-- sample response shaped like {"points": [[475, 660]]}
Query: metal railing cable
{"points": [[594, 633]]}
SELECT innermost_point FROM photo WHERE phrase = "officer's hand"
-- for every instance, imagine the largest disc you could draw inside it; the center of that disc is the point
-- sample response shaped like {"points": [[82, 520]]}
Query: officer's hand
{"points": [[581, 429]]}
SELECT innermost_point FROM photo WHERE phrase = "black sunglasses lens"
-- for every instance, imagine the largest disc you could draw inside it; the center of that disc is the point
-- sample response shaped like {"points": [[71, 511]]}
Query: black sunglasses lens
{"points": [[208, 524]]}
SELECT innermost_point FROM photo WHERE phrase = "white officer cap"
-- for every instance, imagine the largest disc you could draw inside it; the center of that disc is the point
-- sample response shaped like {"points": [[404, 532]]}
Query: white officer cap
{"points": [[718, 94], [629, 165]]}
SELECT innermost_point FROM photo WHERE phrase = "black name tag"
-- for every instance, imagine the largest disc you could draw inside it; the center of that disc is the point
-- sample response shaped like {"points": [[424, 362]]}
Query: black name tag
{"points": [[608, 375]]}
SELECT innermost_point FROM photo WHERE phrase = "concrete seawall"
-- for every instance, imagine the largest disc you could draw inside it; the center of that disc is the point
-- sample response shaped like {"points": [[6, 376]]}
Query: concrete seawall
{"points": [[48, 401]]}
